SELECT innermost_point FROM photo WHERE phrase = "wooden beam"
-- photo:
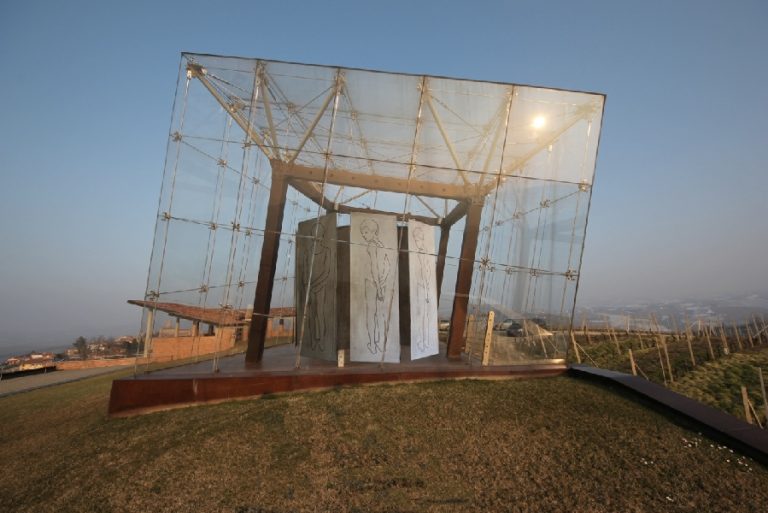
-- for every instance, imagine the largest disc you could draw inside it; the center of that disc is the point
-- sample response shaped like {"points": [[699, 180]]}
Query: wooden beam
{"points": [[510, 172], [311, 191], [457, 213], [257, 331], [431, 221], [448, 143], [262, 76], [311, 128], [442, 249], [464, 281], [199, 72], [149, 333], [374, 182]]}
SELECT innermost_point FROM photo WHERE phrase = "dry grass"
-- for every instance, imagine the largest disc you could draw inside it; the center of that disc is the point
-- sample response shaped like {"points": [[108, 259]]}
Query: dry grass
{"points": [[539, 445]]}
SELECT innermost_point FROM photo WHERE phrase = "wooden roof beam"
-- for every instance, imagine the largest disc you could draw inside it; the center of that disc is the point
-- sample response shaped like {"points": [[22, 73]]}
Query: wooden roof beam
{"points": [[311, 191], [349, 178], [457, 213]]}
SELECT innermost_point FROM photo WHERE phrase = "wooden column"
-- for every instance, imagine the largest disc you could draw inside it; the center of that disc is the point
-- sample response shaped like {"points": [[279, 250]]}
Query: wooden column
{"points": [[267, 267], [442, 249], [464, 280], [150, 332]]}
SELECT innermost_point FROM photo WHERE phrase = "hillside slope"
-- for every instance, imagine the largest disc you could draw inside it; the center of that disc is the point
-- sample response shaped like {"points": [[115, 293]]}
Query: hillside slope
{"points": [[719, 383], [540, 445]]}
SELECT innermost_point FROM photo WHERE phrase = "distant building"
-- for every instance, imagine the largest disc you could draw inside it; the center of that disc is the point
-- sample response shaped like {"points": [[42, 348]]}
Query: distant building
{"points": [[30, 361]]}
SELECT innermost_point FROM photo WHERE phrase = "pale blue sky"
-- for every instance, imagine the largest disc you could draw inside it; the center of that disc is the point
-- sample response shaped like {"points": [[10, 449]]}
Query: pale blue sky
{"points": [[86, 90]]}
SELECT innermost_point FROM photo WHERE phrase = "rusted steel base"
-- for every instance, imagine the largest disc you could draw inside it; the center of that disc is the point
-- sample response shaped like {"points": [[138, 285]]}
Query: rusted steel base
{"points": [[728, 429], [195, 384]]}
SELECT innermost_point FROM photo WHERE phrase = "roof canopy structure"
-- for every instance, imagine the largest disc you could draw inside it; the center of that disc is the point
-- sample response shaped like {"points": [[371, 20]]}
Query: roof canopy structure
{"points": [[352, 132], [257, 145]]}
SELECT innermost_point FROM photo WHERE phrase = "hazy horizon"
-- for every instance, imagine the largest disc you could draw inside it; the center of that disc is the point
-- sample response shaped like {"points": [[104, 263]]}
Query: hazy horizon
{"points": [[679, 198]]}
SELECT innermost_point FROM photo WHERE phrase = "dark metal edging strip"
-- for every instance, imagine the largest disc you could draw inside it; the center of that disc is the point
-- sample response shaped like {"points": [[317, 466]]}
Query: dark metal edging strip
{"points": [[744, 437]]}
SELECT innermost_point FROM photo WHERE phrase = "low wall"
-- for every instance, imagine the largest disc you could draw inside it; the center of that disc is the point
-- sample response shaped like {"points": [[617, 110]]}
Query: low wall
{"points": [[95, 364], [165, 349], [174, 348]]}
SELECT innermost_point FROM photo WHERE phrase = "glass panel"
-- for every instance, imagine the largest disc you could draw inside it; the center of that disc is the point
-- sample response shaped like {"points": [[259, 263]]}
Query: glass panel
{"points": [[379, 145]]}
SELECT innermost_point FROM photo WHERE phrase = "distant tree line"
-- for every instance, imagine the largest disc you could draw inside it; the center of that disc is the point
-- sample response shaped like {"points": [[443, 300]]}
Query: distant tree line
{"points": [[82, 347]]}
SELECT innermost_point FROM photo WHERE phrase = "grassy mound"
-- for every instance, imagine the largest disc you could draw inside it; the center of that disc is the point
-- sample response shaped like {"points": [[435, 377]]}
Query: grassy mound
{"points": [[718, 383], [715, 382], [649, 358], [539, 445]]}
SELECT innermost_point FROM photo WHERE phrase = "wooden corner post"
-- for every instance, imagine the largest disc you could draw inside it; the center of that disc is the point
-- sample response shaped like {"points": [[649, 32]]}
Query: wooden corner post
{"points": [[464, 280], [257, 331], [445, 232]]}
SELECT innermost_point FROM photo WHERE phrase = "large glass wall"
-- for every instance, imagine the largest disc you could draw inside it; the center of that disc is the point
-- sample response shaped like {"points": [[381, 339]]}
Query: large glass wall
{"points": [[498, 178]]}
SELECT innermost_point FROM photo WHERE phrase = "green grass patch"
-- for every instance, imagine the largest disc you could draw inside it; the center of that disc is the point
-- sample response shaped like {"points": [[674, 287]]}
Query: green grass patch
{"points": [[608, 354], [719, 383]]}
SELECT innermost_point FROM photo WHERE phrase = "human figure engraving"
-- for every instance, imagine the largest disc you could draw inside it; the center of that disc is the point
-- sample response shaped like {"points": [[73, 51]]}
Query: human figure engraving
{"points": [[318, 287], [376, 286], [424, 292]]}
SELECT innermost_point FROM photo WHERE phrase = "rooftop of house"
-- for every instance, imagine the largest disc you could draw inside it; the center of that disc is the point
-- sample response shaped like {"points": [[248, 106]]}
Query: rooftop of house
{"points": [[215, 316]]}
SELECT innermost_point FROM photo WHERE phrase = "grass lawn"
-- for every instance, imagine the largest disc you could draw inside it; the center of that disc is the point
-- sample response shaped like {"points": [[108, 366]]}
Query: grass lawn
{"points": [[553, 444]]}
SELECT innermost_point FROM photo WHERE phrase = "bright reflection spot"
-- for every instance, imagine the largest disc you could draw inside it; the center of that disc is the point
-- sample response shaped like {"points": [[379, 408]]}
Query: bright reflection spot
{"points": [[539, 122]]}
